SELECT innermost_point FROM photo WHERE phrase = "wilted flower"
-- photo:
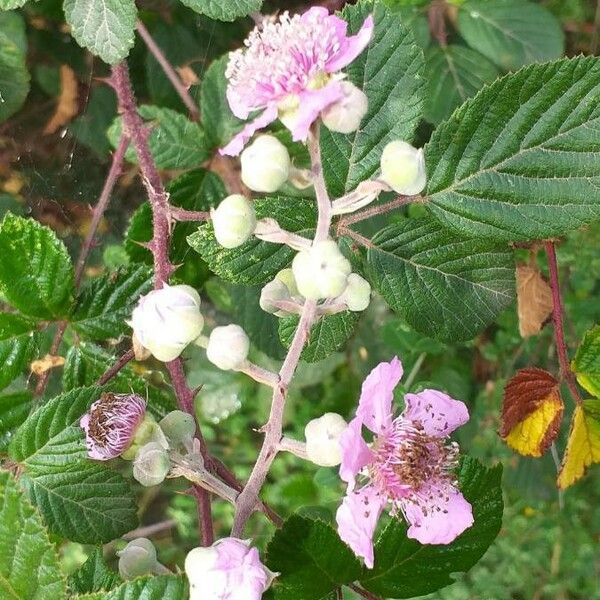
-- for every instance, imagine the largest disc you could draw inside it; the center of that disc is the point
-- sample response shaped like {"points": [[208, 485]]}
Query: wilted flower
{"points": [[111, 424], [288, 70], [228, 570], [409, 466]]}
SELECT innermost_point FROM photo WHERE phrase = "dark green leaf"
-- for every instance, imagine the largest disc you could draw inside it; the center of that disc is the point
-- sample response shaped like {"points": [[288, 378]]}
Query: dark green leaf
{"points": [[390, 72], [445, 286], [224, 10], [404, 568], [257, 262], [14, 76], [18, 346], [36, 274], [29, 567], [521, 160], [94, 575], [14, 408], [311, 558]]}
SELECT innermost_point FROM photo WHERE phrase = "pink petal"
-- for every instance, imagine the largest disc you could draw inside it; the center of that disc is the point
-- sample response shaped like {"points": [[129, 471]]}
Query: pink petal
{"points": [[439, 414], [312, 102], [357, 519], [236, 145], [448, 515], [355, 452], [237, 104], [375, 404], [351, 47]]}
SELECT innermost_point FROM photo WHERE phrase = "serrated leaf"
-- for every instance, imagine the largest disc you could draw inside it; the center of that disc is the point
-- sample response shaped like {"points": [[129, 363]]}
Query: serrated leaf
{"points": [[105, 27], [311, 559], [29, 567], [586, 364], [94, 575], [14, 408], [454, 73], [583, 445], [36, 274], [511, 33], [391, 73], [532, 411], [175, 142], [224, 10], [521, 160], [107, 302], [534, 300], [327, 335], [163, 587], [79, 499], [256, 262], [19, 344], [445, 286], [404, 568]]}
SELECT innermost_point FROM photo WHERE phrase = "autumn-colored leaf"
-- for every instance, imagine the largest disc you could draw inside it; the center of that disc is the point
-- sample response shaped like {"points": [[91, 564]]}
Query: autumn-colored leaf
{"points": [[531, 411], [586, 364], [45, 364], [67, 106], [534, 300], [583, 447]]}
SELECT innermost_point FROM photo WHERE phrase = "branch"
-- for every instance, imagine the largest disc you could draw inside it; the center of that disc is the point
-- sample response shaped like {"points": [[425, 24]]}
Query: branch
{"points": [[357, 217], [557, 317], [181, 214], [114, 369], [363, 593], [169, 71]]}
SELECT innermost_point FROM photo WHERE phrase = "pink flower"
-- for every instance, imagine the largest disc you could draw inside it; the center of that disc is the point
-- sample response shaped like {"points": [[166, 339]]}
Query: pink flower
{"points": [[287, 70], [111, 423], [409, 466]]}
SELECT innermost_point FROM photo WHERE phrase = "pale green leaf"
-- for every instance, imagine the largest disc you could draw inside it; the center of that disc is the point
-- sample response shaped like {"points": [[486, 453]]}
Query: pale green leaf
{"points": [[586, 364], [164, 587], [14, 76]]}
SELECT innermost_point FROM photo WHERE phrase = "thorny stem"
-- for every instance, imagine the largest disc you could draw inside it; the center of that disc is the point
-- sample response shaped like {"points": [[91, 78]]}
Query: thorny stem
{"points": [[116, 367], [169, 71], [374, 211], [181, 214], [357, 237], [557, 318], [273, 430], [159, 202]]}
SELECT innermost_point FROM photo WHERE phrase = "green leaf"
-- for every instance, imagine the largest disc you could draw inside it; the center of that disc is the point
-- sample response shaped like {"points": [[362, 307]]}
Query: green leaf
{"points": [[219, 122], [107, 302], [10, 4], [14, 76], [311, 558], [521, 160], [511, 33], [105, 27], [224, 10], [454, 73], [175, 141], [94, 575], [586, 364], [18, 346], [36, 274], [29, 567], [413, 17], [164, 587], [14, 408], [79, 499], [390, 72], [327, 335], [257, 262], [404, 568], [445, 286]]}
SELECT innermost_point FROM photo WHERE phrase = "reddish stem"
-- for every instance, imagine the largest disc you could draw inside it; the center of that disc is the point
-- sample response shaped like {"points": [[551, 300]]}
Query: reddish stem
{"points": [[557, 318], [114, 369], [374, 211], [181, 214], [362, 592]]}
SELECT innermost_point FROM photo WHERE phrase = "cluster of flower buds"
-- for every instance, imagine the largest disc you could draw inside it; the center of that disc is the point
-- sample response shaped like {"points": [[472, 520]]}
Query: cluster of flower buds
{"points": [[230, 568]]}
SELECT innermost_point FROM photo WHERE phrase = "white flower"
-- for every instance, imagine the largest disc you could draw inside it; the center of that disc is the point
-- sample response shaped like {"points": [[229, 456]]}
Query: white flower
{"points": [[166, 321], [265, 164], [234, 221], [228, 347], [357, 294], [321, 271], [403, 168], [323, 439], [345, 115]]}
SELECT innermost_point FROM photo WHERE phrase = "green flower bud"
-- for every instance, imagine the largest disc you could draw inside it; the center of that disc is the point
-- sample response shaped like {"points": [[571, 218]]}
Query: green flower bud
{"points": [[234, 221], [345, 115], [137, 558], [265, 164], [148, 431], [323, 439], [151, 464], [179, 427], [228, 347], [403, 168], [357, 294]]}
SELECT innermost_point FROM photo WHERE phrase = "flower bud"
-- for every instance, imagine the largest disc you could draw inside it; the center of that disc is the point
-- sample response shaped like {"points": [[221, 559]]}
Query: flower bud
{"points": [[345, 115], [357, 294], [403, 168], [272, 292], [151, 464], [148, 431], [323, 439], [137, 558], [166, 321], [234, 221], [229, 568], [228, 347], [265, 164], [111, 424], [179, 427], [321, 271]]}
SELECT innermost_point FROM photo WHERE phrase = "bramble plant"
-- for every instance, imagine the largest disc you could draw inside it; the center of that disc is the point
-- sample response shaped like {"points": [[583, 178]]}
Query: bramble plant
{"points": [[329, 166]]}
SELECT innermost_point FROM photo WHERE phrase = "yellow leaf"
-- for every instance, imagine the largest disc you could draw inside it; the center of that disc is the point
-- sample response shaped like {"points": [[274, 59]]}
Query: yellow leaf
{"points": [[534, 300], [45, 364], [583, 447], [67, 106]]}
